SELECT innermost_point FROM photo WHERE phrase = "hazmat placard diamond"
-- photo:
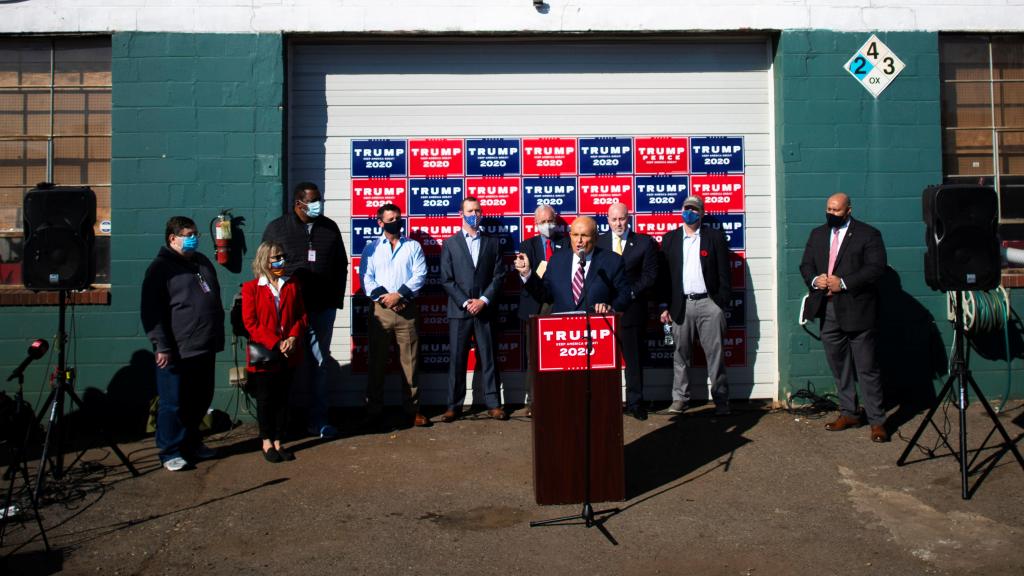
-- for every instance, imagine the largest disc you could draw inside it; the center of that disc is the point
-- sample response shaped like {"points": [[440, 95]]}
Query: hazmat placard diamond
{"points": [[874, 66]]}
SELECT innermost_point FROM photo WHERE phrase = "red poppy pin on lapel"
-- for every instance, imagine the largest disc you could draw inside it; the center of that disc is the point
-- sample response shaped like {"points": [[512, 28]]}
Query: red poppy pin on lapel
{"points": [[704, 253]]}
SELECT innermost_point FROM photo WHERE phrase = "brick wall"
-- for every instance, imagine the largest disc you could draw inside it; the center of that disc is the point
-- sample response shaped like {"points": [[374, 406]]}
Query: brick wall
{"points": [[197, 124], [832, 135]]}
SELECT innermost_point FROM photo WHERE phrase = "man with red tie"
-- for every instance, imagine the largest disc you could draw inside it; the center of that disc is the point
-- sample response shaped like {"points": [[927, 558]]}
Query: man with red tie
{"points": [[539, 249], [842, 263]]}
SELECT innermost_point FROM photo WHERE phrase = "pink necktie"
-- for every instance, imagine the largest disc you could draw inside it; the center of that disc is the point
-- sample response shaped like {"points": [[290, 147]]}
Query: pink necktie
{"points": [[833, 251], [577, 283]]}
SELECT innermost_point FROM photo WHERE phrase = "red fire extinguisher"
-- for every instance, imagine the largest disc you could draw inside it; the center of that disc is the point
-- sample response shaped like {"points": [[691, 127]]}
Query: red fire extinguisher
{"points": [[220, 229]]}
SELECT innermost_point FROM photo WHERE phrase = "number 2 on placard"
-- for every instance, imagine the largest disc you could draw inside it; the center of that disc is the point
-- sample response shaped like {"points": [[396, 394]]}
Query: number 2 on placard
{"points": [[858, 65]]}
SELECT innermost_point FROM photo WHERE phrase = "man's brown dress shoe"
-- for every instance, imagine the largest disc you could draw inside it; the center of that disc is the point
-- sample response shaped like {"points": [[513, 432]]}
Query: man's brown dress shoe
{"points": [[844, 422], [420, 420], [879, 433], [497, 414], [449, 416]]}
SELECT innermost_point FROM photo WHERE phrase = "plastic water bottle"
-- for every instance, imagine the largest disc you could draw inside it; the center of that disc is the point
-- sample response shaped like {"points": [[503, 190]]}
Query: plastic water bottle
{"points": [[669, 340]]}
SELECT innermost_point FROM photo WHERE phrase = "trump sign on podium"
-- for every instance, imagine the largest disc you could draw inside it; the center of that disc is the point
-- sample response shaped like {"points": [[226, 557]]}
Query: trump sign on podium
{"points": [[562, 342]]}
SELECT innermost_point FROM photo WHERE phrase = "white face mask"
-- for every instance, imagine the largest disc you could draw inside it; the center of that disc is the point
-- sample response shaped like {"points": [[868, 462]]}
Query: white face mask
{"points": [[546, 229]]}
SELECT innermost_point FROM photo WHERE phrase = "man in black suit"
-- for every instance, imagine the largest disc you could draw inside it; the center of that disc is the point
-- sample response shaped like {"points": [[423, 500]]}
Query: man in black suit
{"points": [[538, 250], [571, 283], [640, 264], [471, 273], [698, 262], [842, 263]]}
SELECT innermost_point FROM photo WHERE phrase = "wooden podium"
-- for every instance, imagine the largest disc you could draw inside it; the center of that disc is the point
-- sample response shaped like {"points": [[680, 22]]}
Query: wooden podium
{"points": [[559, 397]]}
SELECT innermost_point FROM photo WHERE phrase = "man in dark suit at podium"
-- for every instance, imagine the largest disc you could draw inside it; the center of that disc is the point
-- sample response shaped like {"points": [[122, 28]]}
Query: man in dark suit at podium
{"points": [[842, 262], [698, 263], [640, 264], [538, 250], [471, 274], [571, 282]]}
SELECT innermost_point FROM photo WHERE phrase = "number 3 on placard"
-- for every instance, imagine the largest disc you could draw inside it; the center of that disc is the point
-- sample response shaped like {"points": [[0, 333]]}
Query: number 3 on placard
{"points": [[890, 65]]}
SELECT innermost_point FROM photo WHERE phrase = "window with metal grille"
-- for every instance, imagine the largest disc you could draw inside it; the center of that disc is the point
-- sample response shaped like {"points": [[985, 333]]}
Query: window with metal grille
{"points": [[983, 118], [54, 127]]}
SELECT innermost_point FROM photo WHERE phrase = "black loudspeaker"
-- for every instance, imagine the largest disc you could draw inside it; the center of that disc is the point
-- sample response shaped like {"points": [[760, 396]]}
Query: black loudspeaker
{"points": [[961, 237], [59, 238]]}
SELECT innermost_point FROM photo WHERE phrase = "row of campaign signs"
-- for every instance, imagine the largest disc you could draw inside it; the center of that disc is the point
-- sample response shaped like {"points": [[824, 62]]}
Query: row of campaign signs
{"points": [[428, 178]]}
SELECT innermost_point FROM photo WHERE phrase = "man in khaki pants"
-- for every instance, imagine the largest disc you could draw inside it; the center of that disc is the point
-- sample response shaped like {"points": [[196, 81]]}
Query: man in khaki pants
{"points": [[392, 271]]}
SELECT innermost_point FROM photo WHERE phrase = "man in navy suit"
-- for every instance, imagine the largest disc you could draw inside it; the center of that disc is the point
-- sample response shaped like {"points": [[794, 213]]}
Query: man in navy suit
{"points": [[640, 265], [601, 283], [538, 250], [842, 263], [471, 273], [698, 263]]}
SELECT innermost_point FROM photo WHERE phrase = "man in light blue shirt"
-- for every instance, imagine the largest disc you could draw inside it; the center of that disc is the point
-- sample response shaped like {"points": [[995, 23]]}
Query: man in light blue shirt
{"points": [[392, 271]]}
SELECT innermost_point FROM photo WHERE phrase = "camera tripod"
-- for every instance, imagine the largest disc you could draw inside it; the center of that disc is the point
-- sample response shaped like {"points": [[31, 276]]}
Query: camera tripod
{"points": [[961, 374], [63, 385]]}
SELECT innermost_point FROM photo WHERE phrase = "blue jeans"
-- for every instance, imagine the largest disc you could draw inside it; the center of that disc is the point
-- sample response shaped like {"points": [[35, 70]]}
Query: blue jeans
{"points": [[185, 388], [315, 366]]}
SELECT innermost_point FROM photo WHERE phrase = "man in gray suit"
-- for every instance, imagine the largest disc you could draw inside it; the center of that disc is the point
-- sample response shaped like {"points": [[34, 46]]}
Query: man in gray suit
{"points": [[471, 273]]}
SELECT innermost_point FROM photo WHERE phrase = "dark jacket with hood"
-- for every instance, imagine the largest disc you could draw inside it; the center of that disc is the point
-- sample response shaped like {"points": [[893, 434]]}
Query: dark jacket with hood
{"points": [[182, 313]]}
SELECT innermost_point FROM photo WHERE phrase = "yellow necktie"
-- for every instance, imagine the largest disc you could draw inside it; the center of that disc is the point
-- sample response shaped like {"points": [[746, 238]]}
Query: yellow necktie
{"points": [[618, 245]]}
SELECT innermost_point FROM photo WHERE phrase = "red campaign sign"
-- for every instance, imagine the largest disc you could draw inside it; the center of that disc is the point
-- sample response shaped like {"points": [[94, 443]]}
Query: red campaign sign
{"points": [[734, 348], [721, 192], [562, 223], [549, 156], [497, 196], [509, 351], [432, 231], [562, 343], [597, 193], [361, 356], [355, 282], [436, 157], [660, 155], [433, 311], [657, 225], [369, 194], [737, 261]]}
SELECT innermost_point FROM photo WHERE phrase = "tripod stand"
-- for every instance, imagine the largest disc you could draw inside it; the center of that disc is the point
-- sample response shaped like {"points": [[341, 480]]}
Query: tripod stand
{"points": [[587, 514], [63, 384], [961, 374]]}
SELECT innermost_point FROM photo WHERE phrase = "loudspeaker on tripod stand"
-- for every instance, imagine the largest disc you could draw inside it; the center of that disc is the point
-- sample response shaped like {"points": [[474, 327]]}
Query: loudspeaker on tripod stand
{"points": [[961, 238], [59, 238]]}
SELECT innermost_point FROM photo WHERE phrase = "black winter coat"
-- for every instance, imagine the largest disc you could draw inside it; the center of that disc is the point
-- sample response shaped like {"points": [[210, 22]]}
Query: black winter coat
{"points": [[179, 315], [323, 282]]}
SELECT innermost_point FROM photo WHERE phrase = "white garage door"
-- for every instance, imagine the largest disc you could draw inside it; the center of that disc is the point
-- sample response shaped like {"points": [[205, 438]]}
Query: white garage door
{"points": [[491, 88]]}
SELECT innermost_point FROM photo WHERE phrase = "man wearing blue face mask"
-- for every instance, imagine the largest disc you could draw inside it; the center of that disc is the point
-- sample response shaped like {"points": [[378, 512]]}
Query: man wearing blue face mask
{"points": [[319, 262], [698, 263], [471, 274], [184, 319]]}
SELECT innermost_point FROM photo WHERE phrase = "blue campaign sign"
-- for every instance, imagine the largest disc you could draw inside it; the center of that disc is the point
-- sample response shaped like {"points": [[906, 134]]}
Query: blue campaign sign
{"points": [[378, 158], [559, 192], [732, 225], [435, 196], [661, 193], [365, 230], [712, 154], [506, 228], [492, 156], [606, 155]]}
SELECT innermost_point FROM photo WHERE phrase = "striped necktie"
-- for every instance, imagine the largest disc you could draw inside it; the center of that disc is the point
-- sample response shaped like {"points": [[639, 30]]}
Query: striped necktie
{"points": [[577, 283]]}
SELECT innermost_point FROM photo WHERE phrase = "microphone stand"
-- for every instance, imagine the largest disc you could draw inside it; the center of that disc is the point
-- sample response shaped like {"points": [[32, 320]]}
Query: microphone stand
{"points": [[19, 463], [587, 514]]}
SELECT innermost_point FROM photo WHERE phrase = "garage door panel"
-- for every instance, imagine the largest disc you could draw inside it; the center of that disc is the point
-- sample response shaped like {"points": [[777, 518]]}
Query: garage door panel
{"points": [[484, 88]]}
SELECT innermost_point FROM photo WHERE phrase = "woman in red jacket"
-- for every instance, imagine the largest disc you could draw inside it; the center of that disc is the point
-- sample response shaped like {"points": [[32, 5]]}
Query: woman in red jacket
{"points": [[275, 317]]}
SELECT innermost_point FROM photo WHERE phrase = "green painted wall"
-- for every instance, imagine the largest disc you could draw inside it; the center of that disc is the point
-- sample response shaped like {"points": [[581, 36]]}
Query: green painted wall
{"points": [[197, 127], [832, 135]]}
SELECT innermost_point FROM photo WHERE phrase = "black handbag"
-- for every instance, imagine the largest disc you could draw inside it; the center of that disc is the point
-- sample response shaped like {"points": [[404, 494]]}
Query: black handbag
{"points": [[260, 355]]}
